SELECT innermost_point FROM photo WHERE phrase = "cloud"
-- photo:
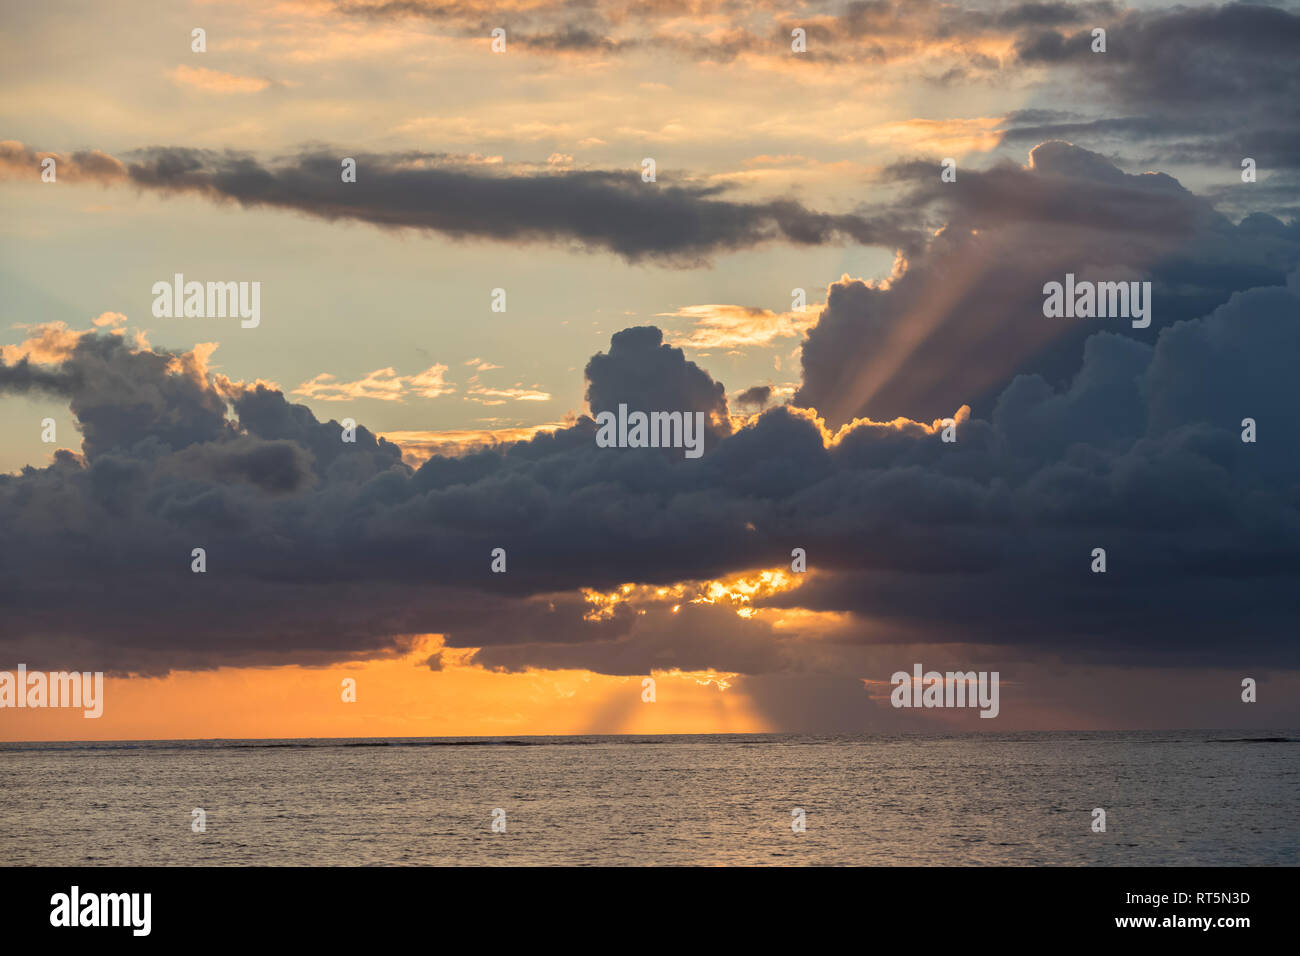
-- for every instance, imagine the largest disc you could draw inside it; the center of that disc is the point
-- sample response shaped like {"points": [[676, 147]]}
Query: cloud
{"points": [[960, 318], [645, 374], [680, 224], [18, 162], [1209, 84], [382, 384], [738, 326], [516, 393], [49, 342], [215, 81], [123, 399], [755, 398], [319, 550], [1187, 58], [419, 446], [871, 32]]}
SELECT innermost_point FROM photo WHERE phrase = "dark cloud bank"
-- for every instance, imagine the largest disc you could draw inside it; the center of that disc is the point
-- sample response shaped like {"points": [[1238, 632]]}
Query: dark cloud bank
{"points": [[681, 224], [319, 551], [1199, 85], [968, 312], [674, 223]]}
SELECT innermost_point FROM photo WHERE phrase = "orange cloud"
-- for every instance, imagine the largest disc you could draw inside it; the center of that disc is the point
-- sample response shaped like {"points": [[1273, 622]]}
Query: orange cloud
{"points": [[948, 137], [738, 592], [383, 384], [19, 162], [499, 396], [52, 342], [738, 326], [214, 81], [47, 343]]}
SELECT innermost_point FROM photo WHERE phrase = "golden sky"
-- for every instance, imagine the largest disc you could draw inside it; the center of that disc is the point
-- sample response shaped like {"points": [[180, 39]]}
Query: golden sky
{"points": [[394, 698]]}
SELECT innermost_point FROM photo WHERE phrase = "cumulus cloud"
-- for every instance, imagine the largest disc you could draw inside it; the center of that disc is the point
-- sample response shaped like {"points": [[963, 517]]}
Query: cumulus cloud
{"points": [[645, 374], [318, 550], [962, 316]]}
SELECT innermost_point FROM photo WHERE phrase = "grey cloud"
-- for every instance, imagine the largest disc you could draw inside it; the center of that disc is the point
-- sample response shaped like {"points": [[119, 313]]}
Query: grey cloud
{"points": [[1189, 57], [18, 162], [682, 224], [755, 397], [840, 33], [912, 540], [645, 374], [967, 314], [1222, 77]]}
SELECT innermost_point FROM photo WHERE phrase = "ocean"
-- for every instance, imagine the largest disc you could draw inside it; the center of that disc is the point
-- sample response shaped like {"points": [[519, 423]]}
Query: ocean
{"points": [[1186, 797]]}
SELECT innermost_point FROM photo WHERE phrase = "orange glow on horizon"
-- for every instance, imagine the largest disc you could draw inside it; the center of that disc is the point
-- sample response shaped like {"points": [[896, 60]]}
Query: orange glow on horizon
{"points": [[395, 697]]}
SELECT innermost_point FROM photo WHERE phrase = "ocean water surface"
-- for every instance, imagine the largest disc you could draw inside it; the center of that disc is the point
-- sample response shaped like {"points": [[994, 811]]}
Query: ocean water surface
{"points": [[1185, 797]]}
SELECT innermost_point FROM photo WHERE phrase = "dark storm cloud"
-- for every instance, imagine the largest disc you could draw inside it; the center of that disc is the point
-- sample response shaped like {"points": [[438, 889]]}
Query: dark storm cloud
{"points": [[639, 370], [1235, 54], [1063, 184], [123, 401], [615, 211], [967, 314], [318, 550], [1220, 82], [1141, 456]]}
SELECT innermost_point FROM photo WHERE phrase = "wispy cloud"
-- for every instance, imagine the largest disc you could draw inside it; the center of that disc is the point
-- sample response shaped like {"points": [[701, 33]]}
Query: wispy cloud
{"points": [[215, 81], [738, 326], [383, 384], [498, 396]]}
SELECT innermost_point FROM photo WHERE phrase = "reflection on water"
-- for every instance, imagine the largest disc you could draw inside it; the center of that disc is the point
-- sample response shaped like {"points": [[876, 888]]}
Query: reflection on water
{"points": [[1202, 797]]}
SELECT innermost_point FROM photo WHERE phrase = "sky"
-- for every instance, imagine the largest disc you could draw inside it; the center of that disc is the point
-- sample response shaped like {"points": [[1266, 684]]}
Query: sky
{"points": [[838, 263]]}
